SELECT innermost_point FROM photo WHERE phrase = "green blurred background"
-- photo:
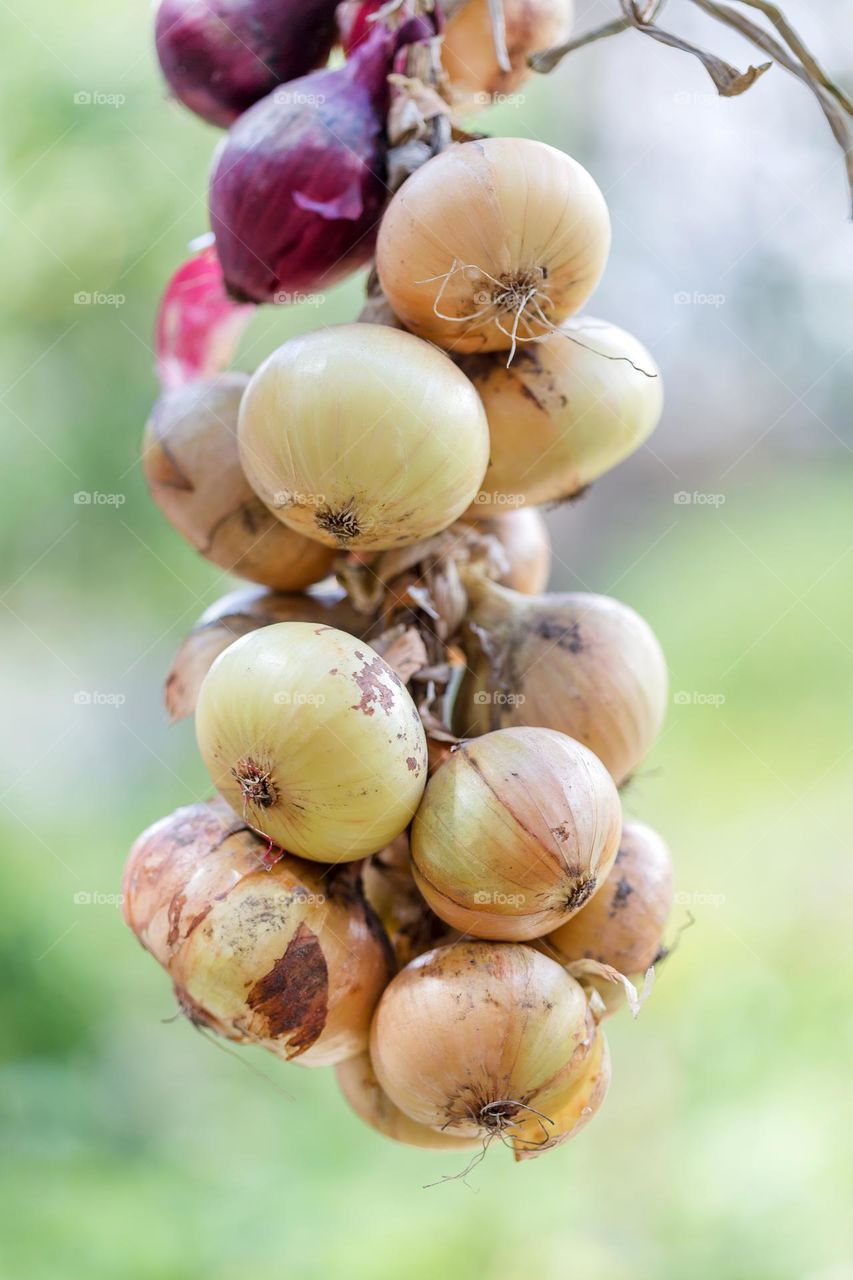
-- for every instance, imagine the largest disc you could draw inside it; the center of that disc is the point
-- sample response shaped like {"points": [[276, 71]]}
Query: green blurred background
{"points": [[131, 1146]]}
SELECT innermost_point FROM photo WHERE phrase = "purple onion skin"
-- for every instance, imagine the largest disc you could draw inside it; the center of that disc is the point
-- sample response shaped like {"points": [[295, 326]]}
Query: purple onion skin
{"points": [[298, 187], [220, 57]]}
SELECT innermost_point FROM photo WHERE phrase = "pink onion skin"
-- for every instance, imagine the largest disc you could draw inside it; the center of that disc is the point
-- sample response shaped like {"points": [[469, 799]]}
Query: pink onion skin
{"points": [[219, 57], [198, 325], [298, 187]]}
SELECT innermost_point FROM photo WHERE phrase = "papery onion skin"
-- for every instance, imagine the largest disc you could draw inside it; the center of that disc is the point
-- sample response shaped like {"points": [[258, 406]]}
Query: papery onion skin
{"points": [[583, 1100], [583, 664], [363, 437], [313, 739], [235, 615], [192, 465], [482, 227], [468, 1036], [468, 52], [525, 540], [515, 831], [288, 956], [297, 187], [221, 56], [371, 1103], [411, 926], [561, 414]]}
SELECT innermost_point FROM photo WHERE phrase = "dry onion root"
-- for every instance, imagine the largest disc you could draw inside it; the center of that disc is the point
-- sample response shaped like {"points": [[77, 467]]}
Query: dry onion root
{"points": [[192, 466], [313, 739], [473, 1038], [493, 243], [516, 831], [585, 665], [581, 1102], [288, 955], [469, 54], [371, 1103]]}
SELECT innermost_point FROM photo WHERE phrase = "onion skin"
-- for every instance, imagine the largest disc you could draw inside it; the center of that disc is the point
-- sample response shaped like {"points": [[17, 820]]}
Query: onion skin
{"points": [[363, 437], [582, 1101], [236, 615], [524, 537], [389, 886], [561, 414], [297, 186], [468, 53], [221, 56], [371, 1103], [288, 956], [583, 664], [467, 1036], [480, 226], [192, 466], [314, 739], [515, 832]]}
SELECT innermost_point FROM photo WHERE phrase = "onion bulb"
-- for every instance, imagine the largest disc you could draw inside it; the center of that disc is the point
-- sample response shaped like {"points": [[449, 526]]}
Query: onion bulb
{"points": [[411, 926], [562, 414], [583, 664], [471, 1038], [288, 955], [516, 832], [314, 739], [363, 437], [192, 466], [492, 242], [236, 615], [525, 541], [369, 1100], [579, 1104], [468, 53]]}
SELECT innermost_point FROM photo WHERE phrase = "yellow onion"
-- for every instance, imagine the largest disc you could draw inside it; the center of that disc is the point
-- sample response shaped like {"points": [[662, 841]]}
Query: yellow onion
{"points": [[515, 833], [313, 738], [371, 1103], [363, 437], [469, 56], [491, 242], [235, 615], [389, 886], [469, 1039], [523, 535], [583, 664], [288, 955], [192, 465], [584, 1098], [562, 414]]}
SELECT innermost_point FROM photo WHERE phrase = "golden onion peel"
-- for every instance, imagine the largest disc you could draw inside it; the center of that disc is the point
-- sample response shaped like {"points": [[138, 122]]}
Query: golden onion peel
{"points": [[468, 51], [363, 437], [582, 1100], [371, 1103], [525, 541], [313, 739], [516, 831]]}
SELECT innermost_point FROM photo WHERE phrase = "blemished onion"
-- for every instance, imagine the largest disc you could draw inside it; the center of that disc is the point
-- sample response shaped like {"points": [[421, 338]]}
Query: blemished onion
{"points": [[524, 537], [313, 739], [363, 437], [198, 326], [492, 242], [469, 56], [221, 56], [583, 664], [584, 1098], [236, 615], [470, 1038], [285, 954], [516, 831], [562, 414], [371, 1103], [411, 926], [192, 465]]}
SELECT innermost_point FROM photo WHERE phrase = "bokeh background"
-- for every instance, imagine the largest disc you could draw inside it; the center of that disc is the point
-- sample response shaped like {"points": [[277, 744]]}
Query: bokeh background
{"points": [[132, 1147]]}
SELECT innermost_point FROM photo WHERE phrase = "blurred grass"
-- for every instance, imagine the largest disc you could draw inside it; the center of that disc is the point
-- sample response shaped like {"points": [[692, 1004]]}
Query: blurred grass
{"points": [[132, 1147]]}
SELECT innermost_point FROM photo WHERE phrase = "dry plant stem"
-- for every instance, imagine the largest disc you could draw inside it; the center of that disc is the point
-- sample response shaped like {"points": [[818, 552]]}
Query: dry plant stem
{"points": [[496, 13], [547, 59]]}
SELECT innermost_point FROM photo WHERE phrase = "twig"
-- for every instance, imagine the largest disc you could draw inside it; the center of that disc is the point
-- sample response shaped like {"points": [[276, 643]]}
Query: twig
{"points": [[546, 59], [795, 44], [728, 80], [496, 13]]}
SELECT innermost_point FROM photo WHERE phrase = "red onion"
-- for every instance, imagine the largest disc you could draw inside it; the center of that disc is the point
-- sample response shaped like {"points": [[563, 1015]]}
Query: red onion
{"points": [[221, 56], [198, 325]]}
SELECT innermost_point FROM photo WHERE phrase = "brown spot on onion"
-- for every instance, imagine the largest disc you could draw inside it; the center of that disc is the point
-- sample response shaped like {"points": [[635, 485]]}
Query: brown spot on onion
{"points": [[293, 996]]}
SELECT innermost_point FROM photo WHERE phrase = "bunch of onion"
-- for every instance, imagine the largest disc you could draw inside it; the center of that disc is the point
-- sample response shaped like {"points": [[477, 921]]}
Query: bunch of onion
{"points": [[524, 540], [363, 437], [491, 243], [472, 1038], [389, 886], [221, 56], [314, 739], [622, 927], [516, 831], [484, 61], [236, 615], [286, 954], [565, 411], [192, 465], [583, 664], [371, 1103]]}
